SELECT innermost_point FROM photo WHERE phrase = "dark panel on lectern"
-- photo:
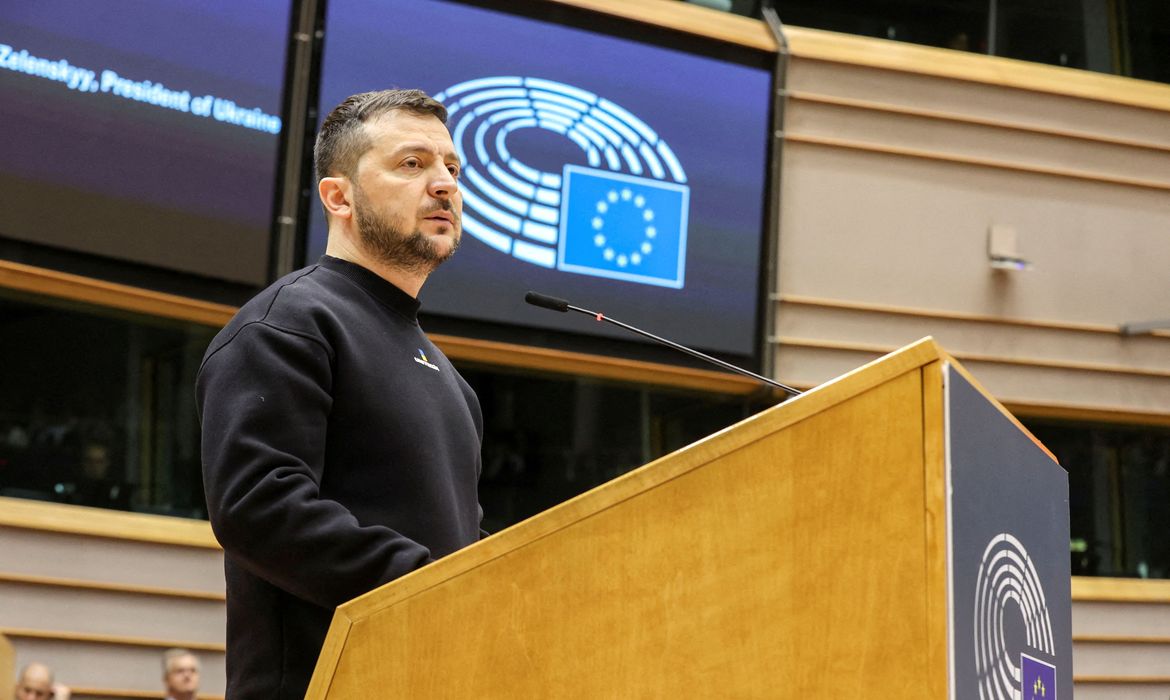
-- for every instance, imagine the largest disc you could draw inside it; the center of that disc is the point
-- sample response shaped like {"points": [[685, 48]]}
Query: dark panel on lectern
{"points": [[1010, 577]]}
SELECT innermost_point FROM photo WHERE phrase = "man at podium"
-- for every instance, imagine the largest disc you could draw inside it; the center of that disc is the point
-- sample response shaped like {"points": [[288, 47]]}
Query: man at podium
{"points": [[341, 449]]}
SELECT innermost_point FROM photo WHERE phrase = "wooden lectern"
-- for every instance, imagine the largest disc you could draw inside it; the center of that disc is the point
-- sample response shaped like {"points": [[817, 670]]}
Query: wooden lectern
{"points": [[801, 553]]}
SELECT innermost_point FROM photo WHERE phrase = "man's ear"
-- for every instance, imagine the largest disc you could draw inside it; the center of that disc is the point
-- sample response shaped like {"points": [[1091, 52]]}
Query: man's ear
{"points": [[336, 197]]}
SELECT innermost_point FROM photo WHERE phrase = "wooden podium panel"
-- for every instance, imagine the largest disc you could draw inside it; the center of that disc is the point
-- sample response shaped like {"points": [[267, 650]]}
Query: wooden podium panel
{"points": [[800, 553]]}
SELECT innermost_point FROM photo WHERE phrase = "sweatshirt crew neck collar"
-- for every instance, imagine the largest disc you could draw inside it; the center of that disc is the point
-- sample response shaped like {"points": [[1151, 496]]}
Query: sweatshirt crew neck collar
{"points": [[377, 287]]}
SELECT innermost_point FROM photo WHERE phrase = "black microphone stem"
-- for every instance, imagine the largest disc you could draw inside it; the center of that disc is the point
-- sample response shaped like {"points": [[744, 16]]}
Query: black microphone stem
{"points": [[683, 348]]}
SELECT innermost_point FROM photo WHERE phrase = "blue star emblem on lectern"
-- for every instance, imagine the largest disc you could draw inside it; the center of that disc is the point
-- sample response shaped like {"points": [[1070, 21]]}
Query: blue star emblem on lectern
{"points": [[1037, 679]]}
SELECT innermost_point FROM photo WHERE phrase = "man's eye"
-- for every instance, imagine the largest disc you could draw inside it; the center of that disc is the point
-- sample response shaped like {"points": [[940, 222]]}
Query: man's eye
{"points": [[454, 170], [411, 163]]}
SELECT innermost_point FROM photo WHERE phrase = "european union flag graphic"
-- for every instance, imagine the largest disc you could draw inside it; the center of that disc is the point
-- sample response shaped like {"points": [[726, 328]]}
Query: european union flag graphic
{"points": [[1037, 679], [623, 227]]}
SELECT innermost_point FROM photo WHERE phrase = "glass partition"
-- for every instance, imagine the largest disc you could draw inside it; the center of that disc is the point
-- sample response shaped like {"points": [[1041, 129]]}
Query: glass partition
{"points": [[1119, 488], [1144, 33], [98, 407], [548, 438], [99, 410], [1127, 37]]}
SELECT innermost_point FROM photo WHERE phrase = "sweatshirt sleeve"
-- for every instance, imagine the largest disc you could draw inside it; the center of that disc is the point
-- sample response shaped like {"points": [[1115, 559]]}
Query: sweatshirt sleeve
{"points": [[264, 402]]}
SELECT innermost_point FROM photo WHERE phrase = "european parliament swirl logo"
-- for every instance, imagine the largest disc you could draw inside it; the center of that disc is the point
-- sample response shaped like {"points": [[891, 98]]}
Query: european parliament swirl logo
{"points": [[623, 216], [1007, 574]]}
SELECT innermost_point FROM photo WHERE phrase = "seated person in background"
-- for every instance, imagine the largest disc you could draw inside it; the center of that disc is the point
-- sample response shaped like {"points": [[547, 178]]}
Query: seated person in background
{"points": [[35, 682], [21, 473], [180, 674], [94, 486]]}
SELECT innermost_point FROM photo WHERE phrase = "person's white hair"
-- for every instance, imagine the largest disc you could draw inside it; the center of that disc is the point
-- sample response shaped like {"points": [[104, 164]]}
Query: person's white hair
{"points": [[36, 664], [171, 654]]}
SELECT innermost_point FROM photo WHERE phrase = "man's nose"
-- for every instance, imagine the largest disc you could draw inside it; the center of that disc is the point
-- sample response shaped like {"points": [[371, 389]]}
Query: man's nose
{"points": [[443, 185]]}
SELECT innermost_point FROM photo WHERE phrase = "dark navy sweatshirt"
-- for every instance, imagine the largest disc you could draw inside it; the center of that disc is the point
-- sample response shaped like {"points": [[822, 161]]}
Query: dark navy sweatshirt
{"points": [[340, 450]]}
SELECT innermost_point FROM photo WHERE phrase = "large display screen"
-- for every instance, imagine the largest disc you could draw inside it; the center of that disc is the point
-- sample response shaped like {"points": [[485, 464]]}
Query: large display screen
{"points": [[143, 130], [625, 176]]}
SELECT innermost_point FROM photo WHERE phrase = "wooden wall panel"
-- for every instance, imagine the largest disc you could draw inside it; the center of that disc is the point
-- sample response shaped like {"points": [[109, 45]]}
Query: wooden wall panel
{"points": [[1083, 158], [913, 232], [875, 229], [914, 60], [115, 666], [1029, 390], [899, 159], [129, 614], [99, 595], [1038, 345], [1047, 110]]}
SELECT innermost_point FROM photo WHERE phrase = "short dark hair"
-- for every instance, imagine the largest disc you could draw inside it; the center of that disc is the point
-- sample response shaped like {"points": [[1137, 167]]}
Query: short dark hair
{"points": [[342, 140]]}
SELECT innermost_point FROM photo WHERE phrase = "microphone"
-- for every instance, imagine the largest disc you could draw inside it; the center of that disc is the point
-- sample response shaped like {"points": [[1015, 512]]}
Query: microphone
{"points": [[546, 302]]}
